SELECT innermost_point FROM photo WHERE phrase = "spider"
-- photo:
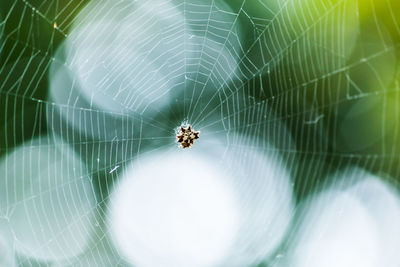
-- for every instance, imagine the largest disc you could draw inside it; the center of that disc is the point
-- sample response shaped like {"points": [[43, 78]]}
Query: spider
{"points": [[186, 136]]}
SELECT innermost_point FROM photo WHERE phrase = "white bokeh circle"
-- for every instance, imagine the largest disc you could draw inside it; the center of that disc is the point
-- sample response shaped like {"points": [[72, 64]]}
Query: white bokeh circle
{"points": [[48, 199]]}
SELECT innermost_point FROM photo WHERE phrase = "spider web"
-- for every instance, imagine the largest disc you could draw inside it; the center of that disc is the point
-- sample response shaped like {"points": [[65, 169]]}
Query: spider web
{"points": [[97, 85]]}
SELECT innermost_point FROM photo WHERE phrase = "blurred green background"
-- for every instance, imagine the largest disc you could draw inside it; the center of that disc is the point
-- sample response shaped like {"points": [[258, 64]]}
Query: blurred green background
{"points": [[327, 72]]}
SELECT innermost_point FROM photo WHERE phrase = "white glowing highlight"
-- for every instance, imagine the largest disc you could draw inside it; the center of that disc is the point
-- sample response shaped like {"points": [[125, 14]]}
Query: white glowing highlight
{"points": [[47, 197], [7, 258], [137, 56], [382, 201], [174, 209], [337, 231], [351, 225], [192, 208]]}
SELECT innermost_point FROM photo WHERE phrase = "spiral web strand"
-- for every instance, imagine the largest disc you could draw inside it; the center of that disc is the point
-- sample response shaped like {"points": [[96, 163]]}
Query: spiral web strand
{"points": [[288, 73]]}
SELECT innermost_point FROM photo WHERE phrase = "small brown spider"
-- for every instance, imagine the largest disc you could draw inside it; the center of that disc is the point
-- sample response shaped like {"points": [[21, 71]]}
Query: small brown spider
{"points": [[186, 136]]}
